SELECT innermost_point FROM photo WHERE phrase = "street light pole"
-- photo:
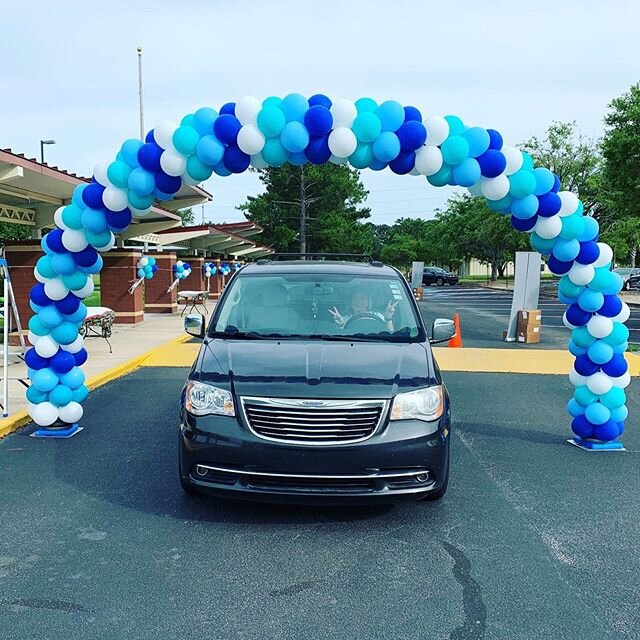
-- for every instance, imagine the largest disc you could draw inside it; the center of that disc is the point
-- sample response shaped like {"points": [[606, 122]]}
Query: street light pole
{"points": [[139, 50], [42, 143]]}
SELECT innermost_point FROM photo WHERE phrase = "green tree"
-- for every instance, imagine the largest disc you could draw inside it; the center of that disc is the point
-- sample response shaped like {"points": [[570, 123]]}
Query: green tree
{"points": [[312, 208], [187, 215], [12, 231]]}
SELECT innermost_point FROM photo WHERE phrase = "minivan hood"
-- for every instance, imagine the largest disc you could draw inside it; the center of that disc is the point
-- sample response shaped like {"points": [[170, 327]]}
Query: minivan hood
{"points": [[315, 369]]}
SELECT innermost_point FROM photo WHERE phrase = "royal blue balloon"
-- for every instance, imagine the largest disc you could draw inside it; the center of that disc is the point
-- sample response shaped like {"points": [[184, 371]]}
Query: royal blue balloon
{"points": [[411, 113], [318, 150], [34, 361], [589, 252], [68, 304], [154, 268], [229, 108], [80, 357], [38, 295], [582, 427], [166, 183], [92, 195], [556, 184], [607, 431], [523, 225], [320, 99], [549, 204], [118, 220], [585, 366], [53, 240], [403, 163], [412, 135], [62, 361], [578, 316], [495, 139], [235, 159], [524, 208], [558, 267], [149, 156], [616, 367], [87, 256], [492, 163], [226, 128], [467, 173], [149, 137], [611, 306], [318, 120]]}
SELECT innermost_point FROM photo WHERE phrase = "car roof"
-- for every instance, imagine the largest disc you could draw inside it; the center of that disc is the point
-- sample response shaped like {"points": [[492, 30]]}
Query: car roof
{"points": [[319, 266]]}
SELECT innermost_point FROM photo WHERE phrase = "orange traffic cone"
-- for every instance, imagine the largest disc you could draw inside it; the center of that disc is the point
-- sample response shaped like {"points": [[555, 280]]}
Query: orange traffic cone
{"points": [[456, 341]]}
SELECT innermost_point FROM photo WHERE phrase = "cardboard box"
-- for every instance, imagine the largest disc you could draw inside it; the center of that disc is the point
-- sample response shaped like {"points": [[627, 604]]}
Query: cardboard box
{"points": [[528, 335], [530, 317], [418, 292]]}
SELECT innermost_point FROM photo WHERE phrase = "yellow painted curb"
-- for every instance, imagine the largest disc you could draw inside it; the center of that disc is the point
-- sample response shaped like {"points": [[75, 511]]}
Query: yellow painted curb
{"points": [[21, 418]]}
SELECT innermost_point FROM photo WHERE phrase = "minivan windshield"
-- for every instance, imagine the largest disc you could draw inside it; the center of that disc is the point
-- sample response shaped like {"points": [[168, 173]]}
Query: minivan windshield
{"points": [[316, 306]]}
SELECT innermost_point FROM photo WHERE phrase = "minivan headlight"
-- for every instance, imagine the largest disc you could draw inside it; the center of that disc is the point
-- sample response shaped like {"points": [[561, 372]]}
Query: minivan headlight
{"points": [[204, 399], [423, 404]]}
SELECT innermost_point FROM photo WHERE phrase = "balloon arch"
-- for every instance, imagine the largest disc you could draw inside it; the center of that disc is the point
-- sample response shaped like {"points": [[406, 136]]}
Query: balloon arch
{"points": [[365, 134]]}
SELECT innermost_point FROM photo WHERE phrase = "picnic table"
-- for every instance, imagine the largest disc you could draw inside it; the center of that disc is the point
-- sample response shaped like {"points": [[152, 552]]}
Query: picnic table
{"points": [[195, 299], [98, 324]]}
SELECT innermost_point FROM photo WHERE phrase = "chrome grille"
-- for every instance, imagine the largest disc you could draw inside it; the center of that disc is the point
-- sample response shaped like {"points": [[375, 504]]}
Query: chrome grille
{"points": [[313, 421]]}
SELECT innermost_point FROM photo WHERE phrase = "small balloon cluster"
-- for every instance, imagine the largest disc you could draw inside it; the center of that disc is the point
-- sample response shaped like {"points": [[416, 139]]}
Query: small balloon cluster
{"points": [[181, 270], [225, 269], [237, 266], [208, 269], [146, 267]]}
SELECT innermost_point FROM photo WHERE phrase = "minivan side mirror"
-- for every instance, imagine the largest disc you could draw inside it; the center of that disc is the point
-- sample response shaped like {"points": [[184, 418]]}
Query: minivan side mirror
{"points": [[194, 325], [442, 330]]}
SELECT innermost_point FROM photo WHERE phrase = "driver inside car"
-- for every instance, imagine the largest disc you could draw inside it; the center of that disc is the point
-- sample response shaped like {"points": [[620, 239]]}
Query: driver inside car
{"points": [[361, 304]]}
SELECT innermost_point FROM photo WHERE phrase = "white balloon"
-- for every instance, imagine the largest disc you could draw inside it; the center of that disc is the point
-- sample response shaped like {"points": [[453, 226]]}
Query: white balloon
{"points": [[605, 257], [495, 188], [247, 109], [143, 262], [250, 139], [57, 218], [163, 134], [74, 240], [566, 323], [139, 213], [44, 414], [75, 346], [179, 263], [38, 276], [55, 288], [437, 130], [87, 290], [71, 412], [600, 326], [335, 160], [46, 347], [115, 199], [548, 228], [257, 161], [344, 112], [173, 163], [100, 174], [514, 159], [342, 142], [428, 160], [622, 381], [581, 274], [599, 383], [569, 203], [33, 338], [576, 379], [414, 172], [624, 314]]}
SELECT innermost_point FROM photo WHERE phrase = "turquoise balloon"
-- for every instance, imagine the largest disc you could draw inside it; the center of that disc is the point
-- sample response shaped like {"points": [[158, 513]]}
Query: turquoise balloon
{"points": [[80, 394], [188, 120], [602, 279], [620, 414], [294, 137], [35, 396], [274, 153], [619, 334], [43, 267], [527, 162], [442, 177], [118, 174], [600, 352], [572, 227], [620, 348], [574, 408], [523, 184], [221, 170], [50, 316], [591, 228], [72, 216], [391, 115], [76, 196], [366, 105], [60, 395], [98, 239], [139, 202], [197, 169], [73, 379], [367, 126], [582, 337], [614, 398], [185, 140], [65, 333], [454, 149], [569, 289], [297, 159], [501, 206], [272, 101], [614, 285], [541, 245], [210, 150], [362, 157], [584, 396], [36, 327], [75, 280], [456, 126], [271, 121]]}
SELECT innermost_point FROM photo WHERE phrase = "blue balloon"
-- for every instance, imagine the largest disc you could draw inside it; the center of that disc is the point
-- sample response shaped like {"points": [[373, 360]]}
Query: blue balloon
{"points": [[492, 163], [495, 139], [294, 137], [221, 170], [92, 195], [386, 146], [294, 106], [118, 220], [556, 184], [62, 361], [377, 165], [34, 361], [611, 306], [149, 137], [318, 150], [86, 257], [582, 427], [44, 380], [589, 252], [577, 316], [140, 273], [318, 120], [166, 183], [235, 159], [616, 367], [149, 156], [478, 140], [467, 173], [391, 114], [38, 295], [80, 357], [523, 225], [226, 128], [585, 366], [600, 352], [559, 268], [550, 204], [141, 181], [620, 414], [607, 431], [53, 241], [229, 108], [412, 135], [410, 113], [403, 163], [320, 99]]}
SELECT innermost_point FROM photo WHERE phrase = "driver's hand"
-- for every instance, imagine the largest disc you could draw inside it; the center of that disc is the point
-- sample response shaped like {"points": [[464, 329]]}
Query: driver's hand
{"points": [[337, 317], [390, 310]]}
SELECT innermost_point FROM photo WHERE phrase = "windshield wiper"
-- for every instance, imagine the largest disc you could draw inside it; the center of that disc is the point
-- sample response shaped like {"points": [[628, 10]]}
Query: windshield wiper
{"points": [[331, 336], [241, 335]]}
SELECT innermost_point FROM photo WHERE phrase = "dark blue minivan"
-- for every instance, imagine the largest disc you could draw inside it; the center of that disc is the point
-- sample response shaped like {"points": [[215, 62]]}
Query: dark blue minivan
{"points": [[316, 382]]}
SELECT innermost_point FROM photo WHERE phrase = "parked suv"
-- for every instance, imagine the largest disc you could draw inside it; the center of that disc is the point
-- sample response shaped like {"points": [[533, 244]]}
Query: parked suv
{"points": [[316, 381], [630, 277], [435, 275]]}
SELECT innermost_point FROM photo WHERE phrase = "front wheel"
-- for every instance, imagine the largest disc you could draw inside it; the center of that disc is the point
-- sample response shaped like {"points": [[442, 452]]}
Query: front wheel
{"points": [[627, 286], [440, 282]]}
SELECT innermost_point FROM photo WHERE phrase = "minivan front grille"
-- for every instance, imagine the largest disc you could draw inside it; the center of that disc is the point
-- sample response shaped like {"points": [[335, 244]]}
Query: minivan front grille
{"points": [[312, 422]]}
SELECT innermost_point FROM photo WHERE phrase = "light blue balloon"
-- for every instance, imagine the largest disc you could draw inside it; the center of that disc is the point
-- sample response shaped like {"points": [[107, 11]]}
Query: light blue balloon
{"points": [[566, 250], [362, 157], [478, 140], [602, 279], [203, 120], [615, 284], [391, 115], [94, 220], [600, 352], [591, 300], [574, 408], [60, 395], [65, 333], [76, 196], [140, 273], [386, 146], [271, 120], [620, 348], [294, 137], [96, 267], [544, 181], [618, 335], [77, 316], [620, 414], [129, 151], [73, 379], [524, 208], [187, 121], [50, 317], [141, 182], [467, 173], [597, 413], [221, 170], [72, 216], [298, 159], [63, 263], [294, 106], [210, 150], [273, 153], [575, 350], [591, 229], [44, 380], [118, 173]]}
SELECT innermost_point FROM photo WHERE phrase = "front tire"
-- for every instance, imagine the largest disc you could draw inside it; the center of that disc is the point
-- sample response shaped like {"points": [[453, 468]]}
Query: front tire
{"points": [[627, 286], [440, 282]]}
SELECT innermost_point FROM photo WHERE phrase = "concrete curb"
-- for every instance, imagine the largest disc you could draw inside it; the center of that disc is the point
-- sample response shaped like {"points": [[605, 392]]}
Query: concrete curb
{"points": [[21, 418]]}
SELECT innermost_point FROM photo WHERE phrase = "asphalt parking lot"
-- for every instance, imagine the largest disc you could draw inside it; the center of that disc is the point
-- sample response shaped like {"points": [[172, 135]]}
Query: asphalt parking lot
{"points": [[484, 313], [535, 539]]}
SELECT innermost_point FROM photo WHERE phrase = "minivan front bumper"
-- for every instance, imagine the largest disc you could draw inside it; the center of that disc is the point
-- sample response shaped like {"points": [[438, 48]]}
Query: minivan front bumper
{"points": [[404, 460]]}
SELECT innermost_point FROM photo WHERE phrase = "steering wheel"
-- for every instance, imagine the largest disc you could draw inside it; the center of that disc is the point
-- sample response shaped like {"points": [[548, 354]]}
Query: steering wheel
{"points": [[365, 317]]}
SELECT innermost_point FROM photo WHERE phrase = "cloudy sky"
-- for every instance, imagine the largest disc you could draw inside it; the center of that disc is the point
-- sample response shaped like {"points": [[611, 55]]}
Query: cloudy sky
{"points": [[70, 70]]}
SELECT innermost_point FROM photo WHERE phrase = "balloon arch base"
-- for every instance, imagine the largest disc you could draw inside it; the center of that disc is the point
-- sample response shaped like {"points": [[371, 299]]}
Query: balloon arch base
{"points": [[62, 431], [594, 445]]}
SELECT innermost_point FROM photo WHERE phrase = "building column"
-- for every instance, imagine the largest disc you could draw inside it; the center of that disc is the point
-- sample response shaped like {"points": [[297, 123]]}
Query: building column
{"points": [[117, 274], [195, 281], [157, 300]]}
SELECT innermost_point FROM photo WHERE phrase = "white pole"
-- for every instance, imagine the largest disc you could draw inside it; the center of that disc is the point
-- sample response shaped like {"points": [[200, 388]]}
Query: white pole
{"points": [[5, 346], [140, 93]]}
